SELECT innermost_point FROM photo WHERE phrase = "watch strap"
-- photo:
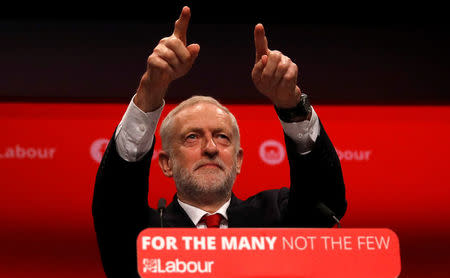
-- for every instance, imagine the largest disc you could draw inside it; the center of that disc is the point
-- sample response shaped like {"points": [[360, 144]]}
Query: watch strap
{"points": [[296, 114]]}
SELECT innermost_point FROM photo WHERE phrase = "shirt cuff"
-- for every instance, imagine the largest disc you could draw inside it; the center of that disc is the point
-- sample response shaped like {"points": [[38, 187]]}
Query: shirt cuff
{"points": [[135, 132], [304, 133]]}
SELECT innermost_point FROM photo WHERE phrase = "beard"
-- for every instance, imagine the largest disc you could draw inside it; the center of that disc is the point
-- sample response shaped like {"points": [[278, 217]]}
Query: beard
{"points": [[204, 185]]}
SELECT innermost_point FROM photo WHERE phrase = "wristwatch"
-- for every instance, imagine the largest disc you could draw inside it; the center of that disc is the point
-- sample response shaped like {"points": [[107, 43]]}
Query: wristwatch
{"points": [[298, 113]]}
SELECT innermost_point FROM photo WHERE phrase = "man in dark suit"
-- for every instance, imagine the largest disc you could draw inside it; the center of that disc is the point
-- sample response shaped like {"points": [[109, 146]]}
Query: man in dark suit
{"points": [[201, 151]]}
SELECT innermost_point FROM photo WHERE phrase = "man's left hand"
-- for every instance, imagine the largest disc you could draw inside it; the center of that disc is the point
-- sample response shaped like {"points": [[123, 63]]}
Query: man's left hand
{"points": [[274, 74]]}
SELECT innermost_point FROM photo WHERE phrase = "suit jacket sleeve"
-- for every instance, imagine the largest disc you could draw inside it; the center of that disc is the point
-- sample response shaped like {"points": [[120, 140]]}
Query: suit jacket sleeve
{"points": [[120, 210], [315, 177]]}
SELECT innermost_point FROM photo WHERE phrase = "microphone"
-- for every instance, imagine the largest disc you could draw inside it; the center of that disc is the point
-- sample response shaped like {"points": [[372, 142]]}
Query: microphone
{"points": [[161, 208], [328, 212]]}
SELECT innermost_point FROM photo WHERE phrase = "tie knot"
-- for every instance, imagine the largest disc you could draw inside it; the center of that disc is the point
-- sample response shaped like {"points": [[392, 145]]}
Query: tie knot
{"points": [[212, 221]]}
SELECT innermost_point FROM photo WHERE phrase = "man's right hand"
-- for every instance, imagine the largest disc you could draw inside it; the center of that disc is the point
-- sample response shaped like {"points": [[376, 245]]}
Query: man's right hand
{"points": [[171, 59]]}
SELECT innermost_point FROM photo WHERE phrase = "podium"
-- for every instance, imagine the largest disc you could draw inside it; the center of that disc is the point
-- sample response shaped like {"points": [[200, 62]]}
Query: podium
{"points": [[268, 252]]}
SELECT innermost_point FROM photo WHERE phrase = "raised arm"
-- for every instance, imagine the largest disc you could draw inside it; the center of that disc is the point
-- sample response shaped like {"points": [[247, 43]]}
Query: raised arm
{"points": [[315, 173], [274, 74], [120, 203], [171, 59]]}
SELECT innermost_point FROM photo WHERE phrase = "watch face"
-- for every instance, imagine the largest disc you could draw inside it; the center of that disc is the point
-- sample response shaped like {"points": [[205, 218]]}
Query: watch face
{"points": [[305, 101], [304, 106]]}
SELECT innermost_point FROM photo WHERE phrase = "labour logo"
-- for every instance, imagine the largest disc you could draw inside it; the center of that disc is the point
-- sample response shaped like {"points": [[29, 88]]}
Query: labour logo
{"points": [[272, 152], [98, 147], [150, 265]]}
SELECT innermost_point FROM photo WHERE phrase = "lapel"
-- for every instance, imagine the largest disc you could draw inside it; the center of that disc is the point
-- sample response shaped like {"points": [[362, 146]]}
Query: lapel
{"points": [[241, 214], [175, 216]]}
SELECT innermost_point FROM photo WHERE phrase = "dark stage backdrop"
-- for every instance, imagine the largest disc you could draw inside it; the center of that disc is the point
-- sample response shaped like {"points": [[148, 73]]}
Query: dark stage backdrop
{"points": [[102, 60]]}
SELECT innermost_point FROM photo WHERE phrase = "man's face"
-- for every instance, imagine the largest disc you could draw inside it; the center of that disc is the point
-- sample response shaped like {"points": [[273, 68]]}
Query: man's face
{"points": [[204, 160]]}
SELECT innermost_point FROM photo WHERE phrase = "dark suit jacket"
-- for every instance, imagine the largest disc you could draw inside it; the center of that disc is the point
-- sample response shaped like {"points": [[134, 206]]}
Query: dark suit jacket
{"points": [[120, 207]]}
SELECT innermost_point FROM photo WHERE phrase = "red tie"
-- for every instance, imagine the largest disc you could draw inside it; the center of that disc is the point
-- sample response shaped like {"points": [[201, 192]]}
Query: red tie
{"points": [[212, 221]]}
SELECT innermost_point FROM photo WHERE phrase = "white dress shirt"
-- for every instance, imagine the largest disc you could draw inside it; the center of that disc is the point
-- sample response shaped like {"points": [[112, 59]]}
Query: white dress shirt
{"points": [[134, 138], [196, 214]]}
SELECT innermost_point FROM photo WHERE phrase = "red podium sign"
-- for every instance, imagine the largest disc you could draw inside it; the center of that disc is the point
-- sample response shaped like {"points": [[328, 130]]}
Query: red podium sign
{"points": [[284, 252]]}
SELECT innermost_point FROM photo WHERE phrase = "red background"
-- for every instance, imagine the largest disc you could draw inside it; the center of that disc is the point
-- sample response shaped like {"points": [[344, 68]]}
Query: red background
{"points": [[45, 208]]}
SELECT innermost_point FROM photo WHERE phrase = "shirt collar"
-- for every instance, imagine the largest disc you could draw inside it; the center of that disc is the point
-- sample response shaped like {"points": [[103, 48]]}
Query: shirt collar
{"points": [[195, 214]]}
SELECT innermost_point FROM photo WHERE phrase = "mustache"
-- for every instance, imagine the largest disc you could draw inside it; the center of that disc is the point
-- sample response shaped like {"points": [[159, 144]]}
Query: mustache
{"points": [[219, 163]]}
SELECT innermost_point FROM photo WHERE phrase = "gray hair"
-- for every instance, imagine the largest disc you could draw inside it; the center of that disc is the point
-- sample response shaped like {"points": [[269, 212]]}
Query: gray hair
{"points": [[166, 127]]}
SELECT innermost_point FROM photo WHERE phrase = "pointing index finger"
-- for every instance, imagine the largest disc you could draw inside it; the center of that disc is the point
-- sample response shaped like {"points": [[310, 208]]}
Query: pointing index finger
{"points": [[181, 25], [260, 42]]}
